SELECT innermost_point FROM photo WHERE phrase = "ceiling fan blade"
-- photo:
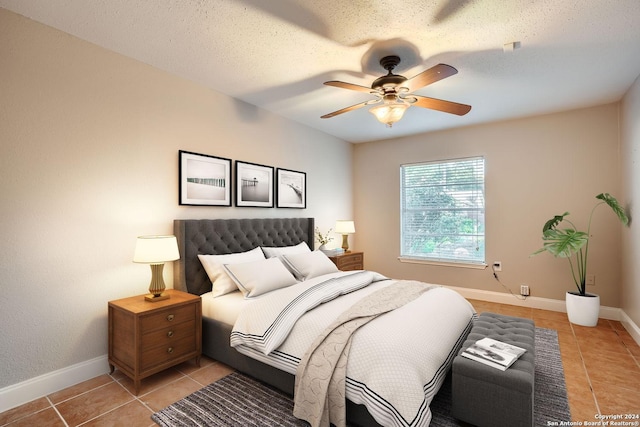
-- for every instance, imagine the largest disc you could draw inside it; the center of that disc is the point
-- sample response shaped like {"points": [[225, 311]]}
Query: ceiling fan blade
{"points": [[440, 105], [350, 86], [347, 109], [427, 77]]}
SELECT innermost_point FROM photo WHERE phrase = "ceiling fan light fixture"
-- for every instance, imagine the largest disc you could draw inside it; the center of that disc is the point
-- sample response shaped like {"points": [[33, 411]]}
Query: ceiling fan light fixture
{"points": [[396, 93], [389, 113]]}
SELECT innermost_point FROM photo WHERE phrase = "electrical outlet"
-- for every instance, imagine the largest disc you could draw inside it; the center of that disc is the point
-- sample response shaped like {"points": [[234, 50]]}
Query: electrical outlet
{"points": [[590, 279], [497, 266], [524, 290]]}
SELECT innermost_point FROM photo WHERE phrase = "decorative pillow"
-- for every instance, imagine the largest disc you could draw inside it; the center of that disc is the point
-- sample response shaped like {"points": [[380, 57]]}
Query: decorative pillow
{"points": [[273, 251], [259, 277], [214, 266], [308, 265]]}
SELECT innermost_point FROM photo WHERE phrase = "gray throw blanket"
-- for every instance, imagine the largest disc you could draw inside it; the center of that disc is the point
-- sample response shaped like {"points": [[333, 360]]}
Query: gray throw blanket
{"points": [[320, 377]]}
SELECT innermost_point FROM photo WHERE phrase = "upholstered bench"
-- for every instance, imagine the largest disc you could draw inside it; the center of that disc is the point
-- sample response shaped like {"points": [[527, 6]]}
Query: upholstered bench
{"points": [[486, 396]]}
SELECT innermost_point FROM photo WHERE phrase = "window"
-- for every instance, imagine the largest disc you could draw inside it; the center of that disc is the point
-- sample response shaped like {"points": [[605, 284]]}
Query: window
{"points": [[442, 211]]}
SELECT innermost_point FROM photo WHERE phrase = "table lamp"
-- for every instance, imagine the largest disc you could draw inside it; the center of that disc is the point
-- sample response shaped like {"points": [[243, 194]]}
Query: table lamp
{"points": [[156, 250], [345, 228]]}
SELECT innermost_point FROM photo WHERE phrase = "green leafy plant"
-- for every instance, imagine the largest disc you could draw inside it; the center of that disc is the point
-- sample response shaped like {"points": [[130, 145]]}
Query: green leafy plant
{"points": [[572, 244]]}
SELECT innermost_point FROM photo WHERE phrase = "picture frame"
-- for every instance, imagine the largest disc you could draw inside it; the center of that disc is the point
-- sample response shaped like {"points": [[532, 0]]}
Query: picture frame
{"points": [[254, 185], [291, 189], [204, 180]]}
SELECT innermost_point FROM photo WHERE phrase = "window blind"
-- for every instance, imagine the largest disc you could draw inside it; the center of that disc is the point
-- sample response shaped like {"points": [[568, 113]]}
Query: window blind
{"points": [[442, 211]]}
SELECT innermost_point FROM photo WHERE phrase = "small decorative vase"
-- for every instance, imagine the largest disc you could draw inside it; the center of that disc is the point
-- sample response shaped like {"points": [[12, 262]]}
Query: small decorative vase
{"points": [[583, 310], [322, 247]]}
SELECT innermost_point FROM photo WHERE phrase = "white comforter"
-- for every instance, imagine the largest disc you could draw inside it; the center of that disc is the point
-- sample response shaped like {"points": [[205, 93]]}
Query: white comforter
{"points": [[397, 361]]}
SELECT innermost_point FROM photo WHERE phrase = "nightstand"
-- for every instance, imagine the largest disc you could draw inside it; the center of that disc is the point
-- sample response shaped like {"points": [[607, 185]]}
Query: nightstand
{"points": [[149, 337], [349, 261]]}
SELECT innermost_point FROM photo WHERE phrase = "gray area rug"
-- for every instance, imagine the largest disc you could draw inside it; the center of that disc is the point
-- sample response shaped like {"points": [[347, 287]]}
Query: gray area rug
{"points": [[238, 400], [551, 404]]}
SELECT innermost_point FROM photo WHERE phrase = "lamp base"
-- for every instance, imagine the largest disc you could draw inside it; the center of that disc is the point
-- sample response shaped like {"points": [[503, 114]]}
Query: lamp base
{"points": [[156, 287], [154, 298], [345, 242]]}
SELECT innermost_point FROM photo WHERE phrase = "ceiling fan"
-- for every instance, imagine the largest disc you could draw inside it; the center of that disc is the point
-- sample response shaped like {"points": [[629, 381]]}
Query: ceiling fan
{"points": [[395, 93]]}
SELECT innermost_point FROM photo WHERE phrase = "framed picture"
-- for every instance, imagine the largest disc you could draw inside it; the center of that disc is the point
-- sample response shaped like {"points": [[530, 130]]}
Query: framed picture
{"points": [[204, 180], [291, 189], [254, 185]]}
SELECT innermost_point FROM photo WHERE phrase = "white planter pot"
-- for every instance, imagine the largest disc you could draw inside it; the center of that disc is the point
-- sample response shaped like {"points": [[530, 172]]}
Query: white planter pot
{"points": [[583, 310]]}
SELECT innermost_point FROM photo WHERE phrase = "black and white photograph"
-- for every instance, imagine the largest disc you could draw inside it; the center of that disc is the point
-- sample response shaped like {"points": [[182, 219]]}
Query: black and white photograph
{"points": [[204, 180], [254, 185], [291, 189]]}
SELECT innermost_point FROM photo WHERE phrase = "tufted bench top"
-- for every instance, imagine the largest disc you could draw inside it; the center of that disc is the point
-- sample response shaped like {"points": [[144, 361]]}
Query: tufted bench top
{"points": [[511, 330]]}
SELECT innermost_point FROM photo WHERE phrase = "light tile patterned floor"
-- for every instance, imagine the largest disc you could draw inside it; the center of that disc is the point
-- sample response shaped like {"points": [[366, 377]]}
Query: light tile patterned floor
{"points": [[601, 364]]}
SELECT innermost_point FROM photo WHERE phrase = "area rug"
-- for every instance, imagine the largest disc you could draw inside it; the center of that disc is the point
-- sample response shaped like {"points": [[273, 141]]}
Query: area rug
{"points": [[238, 400]]}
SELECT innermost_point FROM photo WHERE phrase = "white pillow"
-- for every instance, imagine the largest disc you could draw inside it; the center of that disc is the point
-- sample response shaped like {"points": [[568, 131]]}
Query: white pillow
{"points": [[273, 251], [214, 266], [259, 277], [308, 265]]}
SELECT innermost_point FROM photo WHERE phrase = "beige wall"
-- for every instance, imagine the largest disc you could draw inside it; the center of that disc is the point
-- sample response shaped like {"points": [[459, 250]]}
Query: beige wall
{"points": [[89, 161], [631, 191], [535, 168]]}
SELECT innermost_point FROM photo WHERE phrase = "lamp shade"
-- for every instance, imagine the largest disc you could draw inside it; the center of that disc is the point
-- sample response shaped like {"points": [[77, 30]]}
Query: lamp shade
{"points": [[389, 113], [345, 227], [156, 249]]}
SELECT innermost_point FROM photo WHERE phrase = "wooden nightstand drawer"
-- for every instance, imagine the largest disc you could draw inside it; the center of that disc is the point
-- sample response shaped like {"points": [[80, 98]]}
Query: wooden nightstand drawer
{"points": [[166, 336], [167, 353], [168, 317], [349, 261]]}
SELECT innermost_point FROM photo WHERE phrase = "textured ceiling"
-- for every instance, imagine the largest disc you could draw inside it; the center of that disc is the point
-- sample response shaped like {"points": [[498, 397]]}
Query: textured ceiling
{"points": [[276, 54]]}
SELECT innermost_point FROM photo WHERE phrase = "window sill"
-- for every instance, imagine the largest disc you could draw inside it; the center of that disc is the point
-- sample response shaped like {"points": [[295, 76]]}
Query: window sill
{"points": [[479, 266]]}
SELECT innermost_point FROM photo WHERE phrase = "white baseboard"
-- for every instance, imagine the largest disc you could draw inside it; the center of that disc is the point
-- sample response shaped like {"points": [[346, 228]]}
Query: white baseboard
{"points": [[630, 326], [34, 388], [503, 298], [611, 313]]}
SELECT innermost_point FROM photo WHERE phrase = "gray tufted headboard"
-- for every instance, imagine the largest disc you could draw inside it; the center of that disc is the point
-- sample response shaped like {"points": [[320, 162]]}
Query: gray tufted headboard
{"points": [[225, 236]]}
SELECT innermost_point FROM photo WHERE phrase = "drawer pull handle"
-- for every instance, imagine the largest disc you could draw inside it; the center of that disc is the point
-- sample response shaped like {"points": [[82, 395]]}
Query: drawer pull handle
{"points": [[170, 334], [170, 317], [170, 350]]}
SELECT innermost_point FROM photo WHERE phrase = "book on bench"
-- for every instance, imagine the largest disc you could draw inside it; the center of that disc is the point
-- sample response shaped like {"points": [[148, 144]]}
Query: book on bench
{"points": [[496, 354]]}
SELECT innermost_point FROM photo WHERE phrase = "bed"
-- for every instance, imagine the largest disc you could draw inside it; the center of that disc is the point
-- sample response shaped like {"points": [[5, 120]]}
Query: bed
{"points": [[220, 314]]}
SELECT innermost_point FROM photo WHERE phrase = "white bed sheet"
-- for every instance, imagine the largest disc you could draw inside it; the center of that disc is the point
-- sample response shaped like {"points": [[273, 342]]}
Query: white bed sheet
{"points": [[224, 308]]}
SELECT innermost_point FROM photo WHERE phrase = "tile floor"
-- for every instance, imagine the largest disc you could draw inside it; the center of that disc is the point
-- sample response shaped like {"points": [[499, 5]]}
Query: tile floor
{"points": [[601, 366]]}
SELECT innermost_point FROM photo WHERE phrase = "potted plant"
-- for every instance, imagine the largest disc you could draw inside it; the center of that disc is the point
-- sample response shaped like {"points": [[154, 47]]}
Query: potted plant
{"points": [[323, 239], [570, 243]]}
